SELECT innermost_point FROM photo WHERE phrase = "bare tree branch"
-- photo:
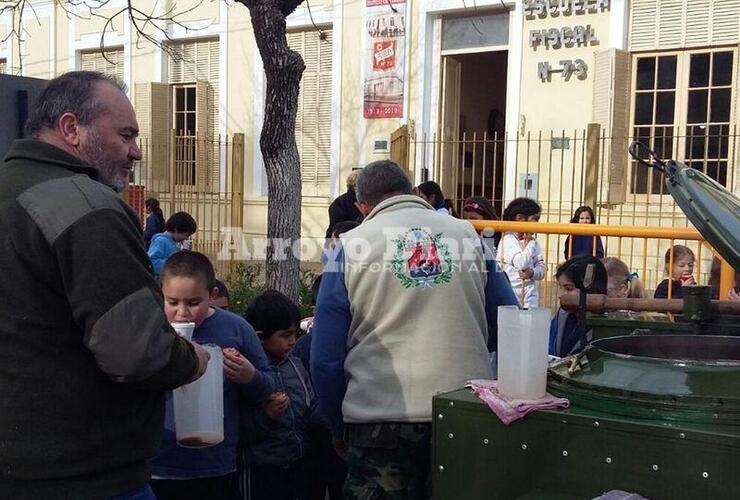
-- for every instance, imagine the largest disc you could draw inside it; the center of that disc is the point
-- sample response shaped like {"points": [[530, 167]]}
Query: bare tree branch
{"points": [[322, 35], [148, 26], [16, 9]]}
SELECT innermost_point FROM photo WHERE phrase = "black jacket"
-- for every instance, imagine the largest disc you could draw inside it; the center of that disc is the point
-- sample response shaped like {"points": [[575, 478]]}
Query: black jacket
{"points": [[86, 349], [343, 209]]}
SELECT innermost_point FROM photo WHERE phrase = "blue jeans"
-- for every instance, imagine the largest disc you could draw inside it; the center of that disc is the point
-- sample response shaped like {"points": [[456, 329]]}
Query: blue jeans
{"points": [[143, 493]]}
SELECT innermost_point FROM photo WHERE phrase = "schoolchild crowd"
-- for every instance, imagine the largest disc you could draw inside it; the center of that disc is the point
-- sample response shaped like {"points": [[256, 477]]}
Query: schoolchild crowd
{"points": [[338, 405], [277, 444]]}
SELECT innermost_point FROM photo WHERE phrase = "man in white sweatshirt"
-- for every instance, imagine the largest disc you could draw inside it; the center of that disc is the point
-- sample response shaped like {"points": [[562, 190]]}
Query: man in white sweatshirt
{"points": [[403, 313]]}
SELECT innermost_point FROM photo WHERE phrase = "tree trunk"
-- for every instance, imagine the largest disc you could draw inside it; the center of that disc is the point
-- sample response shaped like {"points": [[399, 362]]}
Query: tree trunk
{"points": [[283, 69]]}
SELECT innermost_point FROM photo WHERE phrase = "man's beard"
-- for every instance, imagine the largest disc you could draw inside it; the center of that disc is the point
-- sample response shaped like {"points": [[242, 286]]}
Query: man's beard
{"points": [[108, 167]]}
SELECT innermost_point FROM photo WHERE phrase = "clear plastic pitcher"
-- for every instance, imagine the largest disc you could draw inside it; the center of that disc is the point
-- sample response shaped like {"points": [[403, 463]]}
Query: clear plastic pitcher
{"points": [[523, 336], [199, 406]]}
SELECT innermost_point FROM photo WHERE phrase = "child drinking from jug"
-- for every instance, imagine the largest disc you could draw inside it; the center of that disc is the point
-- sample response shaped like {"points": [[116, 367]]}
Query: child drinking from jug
{"points": [[679, 275], [276, 433], [520, 254], [178, 228], [188, 285]]}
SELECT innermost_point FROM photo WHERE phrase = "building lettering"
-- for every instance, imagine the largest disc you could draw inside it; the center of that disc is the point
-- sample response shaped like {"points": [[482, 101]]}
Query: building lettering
{"points": [[568, 68], [555, 38], [555, 8]]}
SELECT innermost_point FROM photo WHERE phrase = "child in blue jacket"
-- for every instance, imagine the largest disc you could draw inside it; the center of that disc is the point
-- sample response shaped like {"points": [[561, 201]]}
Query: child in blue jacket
{"points": [[276, 434], [178, 228]]}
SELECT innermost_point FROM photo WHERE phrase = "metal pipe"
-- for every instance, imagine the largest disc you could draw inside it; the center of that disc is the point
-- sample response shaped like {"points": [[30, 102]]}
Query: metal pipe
{"points": [[602, 303]]}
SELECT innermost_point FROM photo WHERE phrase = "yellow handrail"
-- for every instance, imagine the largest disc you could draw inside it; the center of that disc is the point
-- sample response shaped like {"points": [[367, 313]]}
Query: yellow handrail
{"points": [[590, 229], [727, 274]]}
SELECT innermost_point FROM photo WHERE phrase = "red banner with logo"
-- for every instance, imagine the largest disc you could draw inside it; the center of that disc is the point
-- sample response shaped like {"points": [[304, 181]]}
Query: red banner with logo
{"points": [[383, 92]]}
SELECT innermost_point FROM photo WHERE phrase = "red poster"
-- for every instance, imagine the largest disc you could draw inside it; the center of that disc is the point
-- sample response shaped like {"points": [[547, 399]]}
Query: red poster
{"points": [[384, 55]]}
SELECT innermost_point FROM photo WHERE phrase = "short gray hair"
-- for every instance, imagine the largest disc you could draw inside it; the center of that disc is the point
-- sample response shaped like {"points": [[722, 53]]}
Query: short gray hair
{"points": [[380, 180], [72, 92]]}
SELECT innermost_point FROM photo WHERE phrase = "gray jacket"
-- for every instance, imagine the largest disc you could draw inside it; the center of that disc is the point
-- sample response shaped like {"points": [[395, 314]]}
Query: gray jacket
{"points": [[284, 440]]}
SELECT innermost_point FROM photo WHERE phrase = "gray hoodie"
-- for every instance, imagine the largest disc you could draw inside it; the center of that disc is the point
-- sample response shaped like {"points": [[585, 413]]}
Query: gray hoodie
{"points": [[284, 440]]}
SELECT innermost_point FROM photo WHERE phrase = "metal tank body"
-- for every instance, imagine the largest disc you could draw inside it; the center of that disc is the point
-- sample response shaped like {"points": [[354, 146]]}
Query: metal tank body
{"points": [[653, 415], [656, 415]]}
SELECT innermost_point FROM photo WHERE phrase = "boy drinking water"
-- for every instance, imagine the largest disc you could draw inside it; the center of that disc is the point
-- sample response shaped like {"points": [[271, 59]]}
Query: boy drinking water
{"points": [[179, 473], [178, 228], [276, 433]]}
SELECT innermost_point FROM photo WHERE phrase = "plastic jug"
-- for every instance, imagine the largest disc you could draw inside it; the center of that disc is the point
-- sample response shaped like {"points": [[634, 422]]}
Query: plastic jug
{"points": [[523, 337], [199, 406]]}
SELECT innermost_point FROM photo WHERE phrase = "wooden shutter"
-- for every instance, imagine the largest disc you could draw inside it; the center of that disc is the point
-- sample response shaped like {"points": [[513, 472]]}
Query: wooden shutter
{"points": [[611, 110], [323, 170], [725, 21], [670, 24], [202, 135], [643, 24], [697, 13], [400, 149], [448, 165], [93, 60], [313, 121], [733, 168], [671, 14], [214, 163], [153, 111]]}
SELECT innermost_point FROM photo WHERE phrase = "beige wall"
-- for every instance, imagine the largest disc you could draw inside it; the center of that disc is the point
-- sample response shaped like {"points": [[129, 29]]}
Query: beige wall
{"points": [[545, 106], [559, 104], [36, 56], [3, 34], [95, 25]]}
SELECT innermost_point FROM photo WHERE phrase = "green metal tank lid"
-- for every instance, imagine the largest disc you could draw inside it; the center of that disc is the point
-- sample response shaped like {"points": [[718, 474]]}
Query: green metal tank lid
{"points": [[712, 209], [683, 378]]}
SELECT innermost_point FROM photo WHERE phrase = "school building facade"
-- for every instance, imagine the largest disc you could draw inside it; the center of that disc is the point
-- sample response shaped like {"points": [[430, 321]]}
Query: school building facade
{"points": [[489, 97]]}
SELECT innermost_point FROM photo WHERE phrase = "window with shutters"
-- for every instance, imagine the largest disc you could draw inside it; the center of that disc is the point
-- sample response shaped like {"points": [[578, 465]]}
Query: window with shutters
{"points": [[3, 66], [110, 64], [313, 121], [682, 109], [194, 77]]}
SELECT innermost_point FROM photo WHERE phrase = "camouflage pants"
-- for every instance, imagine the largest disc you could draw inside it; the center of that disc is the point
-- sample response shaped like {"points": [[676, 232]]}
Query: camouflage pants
{"points": [[388, 461]]}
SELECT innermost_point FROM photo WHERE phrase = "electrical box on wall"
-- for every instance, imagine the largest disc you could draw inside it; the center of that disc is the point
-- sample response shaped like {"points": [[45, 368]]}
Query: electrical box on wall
{"points": [[528, 186], [380, 146]]}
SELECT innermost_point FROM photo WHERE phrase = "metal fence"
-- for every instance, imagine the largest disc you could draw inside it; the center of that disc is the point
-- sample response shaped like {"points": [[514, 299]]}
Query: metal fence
{"points": [[563, 170], [567, 169], [203, 177]]}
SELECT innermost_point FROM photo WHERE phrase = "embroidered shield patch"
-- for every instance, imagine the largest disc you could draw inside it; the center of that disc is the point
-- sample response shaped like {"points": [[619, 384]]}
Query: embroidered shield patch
{"points": [[421, 259]]}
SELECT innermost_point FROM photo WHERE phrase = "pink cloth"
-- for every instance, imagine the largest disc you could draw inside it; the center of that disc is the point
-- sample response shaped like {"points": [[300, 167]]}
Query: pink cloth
{"points": [[509, 410]]}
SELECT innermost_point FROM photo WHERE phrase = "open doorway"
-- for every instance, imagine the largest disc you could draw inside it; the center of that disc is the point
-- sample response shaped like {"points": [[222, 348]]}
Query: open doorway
{"points": [[473, 118]]}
